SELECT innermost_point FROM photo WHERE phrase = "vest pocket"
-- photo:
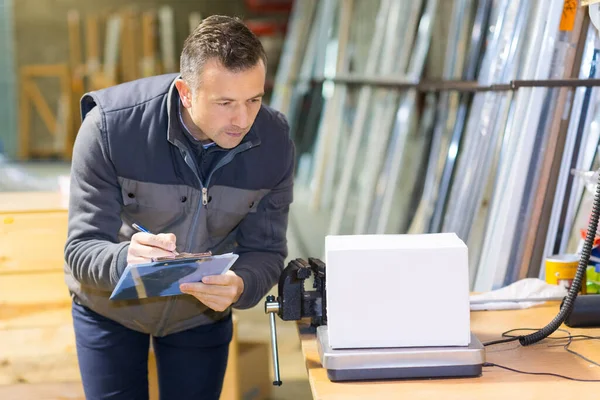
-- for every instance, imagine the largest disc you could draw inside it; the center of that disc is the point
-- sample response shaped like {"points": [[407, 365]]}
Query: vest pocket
{"points": [[228, 207], [160, 208]]}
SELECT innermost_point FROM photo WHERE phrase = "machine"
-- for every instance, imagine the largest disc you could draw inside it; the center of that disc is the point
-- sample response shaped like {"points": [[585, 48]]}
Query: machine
{"points": [[294, 303]]}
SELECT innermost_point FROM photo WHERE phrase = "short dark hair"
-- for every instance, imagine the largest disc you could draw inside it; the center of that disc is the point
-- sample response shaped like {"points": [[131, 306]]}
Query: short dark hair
{"points": [[225, 38]]}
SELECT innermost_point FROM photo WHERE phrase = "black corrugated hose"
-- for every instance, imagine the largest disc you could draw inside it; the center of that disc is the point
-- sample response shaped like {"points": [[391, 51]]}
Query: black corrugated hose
{"points": [[569, 301]]}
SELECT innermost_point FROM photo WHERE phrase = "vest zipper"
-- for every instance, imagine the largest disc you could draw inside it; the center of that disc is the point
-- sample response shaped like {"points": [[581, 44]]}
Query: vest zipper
{"points": [[222, 162], [204, 196]]}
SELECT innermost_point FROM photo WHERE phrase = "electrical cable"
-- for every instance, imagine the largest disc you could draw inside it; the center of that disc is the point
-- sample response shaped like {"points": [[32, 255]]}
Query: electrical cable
{"points": [[488, 364], [493, 342], [569, 301], [570, 338]]}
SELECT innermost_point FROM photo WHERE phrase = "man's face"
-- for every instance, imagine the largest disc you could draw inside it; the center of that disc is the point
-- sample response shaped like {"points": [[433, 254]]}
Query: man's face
{"points": [[225, 104]]}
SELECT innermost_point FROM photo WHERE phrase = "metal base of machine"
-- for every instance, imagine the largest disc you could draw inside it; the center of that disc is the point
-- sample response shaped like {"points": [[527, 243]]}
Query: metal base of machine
{"points": [[400, 363]]}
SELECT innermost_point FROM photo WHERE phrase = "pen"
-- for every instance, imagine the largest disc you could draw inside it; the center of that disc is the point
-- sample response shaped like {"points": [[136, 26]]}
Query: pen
{"points": [[140, 228]]}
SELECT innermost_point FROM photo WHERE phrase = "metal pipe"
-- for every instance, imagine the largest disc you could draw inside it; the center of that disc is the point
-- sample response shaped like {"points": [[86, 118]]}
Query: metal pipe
{"points": [[272, 308], [455, 85]]}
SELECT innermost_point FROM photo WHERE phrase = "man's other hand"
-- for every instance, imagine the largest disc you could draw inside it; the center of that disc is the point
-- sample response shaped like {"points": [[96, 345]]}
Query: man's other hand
{"points": [[217, 292]]}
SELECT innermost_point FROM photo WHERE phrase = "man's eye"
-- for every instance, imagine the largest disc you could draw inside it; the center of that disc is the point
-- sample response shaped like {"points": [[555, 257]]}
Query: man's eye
{"points": [[226, 103]]}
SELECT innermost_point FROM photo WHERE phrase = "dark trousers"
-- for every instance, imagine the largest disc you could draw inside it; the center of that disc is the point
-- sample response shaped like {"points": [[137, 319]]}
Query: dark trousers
{"points": [[113, 360]]}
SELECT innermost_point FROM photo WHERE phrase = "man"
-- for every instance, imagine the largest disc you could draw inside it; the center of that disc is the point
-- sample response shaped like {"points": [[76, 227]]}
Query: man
{"points": [[198, 161]]}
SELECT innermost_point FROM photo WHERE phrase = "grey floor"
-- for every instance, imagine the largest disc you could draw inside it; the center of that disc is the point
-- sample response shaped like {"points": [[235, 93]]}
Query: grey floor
{"points": [[253, 323]]}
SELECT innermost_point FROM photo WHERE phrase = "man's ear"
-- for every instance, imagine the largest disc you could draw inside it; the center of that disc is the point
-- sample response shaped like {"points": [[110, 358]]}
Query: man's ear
{"points": [[185, 93]]}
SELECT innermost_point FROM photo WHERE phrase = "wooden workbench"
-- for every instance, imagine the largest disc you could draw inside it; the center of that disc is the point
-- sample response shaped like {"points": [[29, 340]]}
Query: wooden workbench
{"points": [[495, 383]]}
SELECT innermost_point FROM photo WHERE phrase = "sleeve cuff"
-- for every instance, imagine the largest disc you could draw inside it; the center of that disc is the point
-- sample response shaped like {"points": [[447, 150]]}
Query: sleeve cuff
{"points": [[120, 263], [247, 299]]}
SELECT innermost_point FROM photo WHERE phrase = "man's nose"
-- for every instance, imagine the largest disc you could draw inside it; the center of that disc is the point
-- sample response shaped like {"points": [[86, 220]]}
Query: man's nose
{"points": [[241, 116]]}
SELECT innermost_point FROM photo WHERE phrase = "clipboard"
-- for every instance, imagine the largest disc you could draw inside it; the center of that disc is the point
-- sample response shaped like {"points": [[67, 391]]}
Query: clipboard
{"points": [[162, 276]]}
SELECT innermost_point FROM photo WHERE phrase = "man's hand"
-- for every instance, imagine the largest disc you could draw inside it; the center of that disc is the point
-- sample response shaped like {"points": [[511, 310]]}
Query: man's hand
{"points": [[145, 246], [217, 292]]}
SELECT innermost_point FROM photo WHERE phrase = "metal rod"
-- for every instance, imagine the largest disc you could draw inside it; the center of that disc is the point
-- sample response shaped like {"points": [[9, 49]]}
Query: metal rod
{"points": [[277, 381], [462, 86], [272, 308]]}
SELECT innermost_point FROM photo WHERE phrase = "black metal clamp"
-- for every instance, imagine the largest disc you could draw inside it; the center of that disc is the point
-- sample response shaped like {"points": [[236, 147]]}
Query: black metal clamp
{"points": [[294, 302]]}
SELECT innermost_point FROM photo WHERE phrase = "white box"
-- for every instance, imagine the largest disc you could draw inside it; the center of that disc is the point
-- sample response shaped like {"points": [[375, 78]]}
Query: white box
{"points": [[397, 291]]}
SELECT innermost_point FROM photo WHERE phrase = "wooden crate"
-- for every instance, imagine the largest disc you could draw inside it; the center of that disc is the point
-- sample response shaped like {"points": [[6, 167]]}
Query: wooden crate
{"points": [[33, 231], [37, 345]]}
